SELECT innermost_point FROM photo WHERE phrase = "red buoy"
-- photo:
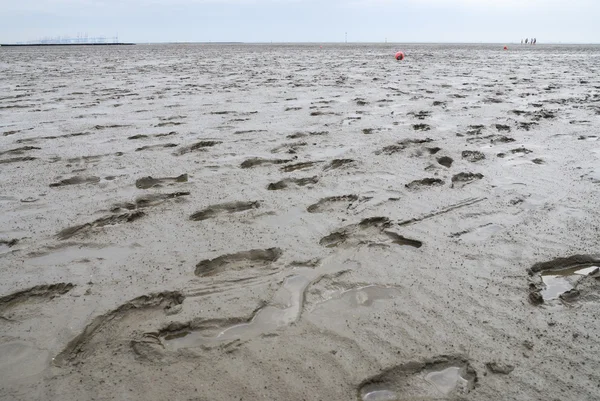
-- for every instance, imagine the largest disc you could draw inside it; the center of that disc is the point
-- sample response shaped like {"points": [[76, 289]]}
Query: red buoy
{"points": [[505, 47], [399, 56]]}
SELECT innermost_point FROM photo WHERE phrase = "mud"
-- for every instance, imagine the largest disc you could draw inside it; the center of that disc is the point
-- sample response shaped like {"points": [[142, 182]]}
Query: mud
{"points": [[339, 283]]}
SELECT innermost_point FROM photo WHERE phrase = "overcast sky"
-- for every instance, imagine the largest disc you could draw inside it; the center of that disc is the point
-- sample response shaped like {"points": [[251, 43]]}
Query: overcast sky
{"points": [[498, 21]]}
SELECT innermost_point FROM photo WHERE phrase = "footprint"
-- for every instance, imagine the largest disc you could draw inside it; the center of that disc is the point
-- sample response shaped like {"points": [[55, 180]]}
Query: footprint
{"points": [[39, 293], [502, 139], [400, 146], [17, 159], [198, 146], [101, 222], [527, 125], [421, 127], [255, 258], [371, 231], [445, 161], [19, 151], [250, 131], [145, 201], [331, 203], [472, 155], [567, 279], [118, 326], [338, 163], [297, 166], [462, 179], [138, 136], [76, 180], [258, 161], [285, 183], [119, 216], [149, 182], [290, 148], [284, 309], [229, 207], [158, 146], [425, 182], [522, 151], [502, 128], [475, 129], [421, 115], [442, 377]]}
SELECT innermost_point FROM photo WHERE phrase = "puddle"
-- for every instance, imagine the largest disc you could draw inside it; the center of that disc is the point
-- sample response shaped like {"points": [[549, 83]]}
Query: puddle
{"points": [[448, 380], [79, 254], [373, 394], [21, 360], [284, 309], [559, 282]]}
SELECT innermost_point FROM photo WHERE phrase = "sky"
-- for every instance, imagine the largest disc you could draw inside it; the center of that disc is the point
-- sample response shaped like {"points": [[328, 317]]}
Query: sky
{"points": [[151, 21]]}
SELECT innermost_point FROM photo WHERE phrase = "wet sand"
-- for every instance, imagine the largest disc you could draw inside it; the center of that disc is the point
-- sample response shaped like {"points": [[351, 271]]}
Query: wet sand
{"points": [[290, 222]]}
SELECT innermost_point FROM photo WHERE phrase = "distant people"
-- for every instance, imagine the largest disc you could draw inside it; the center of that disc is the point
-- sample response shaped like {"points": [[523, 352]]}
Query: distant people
{"points": [[534, 41], [521, 41], [526, 40]]}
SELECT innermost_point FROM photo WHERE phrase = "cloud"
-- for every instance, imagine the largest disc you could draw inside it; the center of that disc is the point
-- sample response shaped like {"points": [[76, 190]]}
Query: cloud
{"points": [[61, 6], [476, 5]]}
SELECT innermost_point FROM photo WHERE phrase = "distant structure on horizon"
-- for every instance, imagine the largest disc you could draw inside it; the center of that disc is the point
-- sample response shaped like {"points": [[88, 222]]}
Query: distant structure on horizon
{"points": [[528, 41], [67, 40]]}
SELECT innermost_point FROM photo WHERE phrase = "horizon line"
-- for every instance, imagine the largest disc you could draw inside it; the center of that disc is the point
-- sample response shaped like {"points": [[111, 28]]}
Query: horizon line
{"points": [[304, 42]]}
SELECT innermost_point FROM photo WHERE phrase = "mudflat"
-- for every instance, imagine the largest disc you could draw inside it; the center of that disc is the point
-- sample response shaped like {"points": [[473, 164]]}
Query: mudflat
{"points": [[300, 222]]}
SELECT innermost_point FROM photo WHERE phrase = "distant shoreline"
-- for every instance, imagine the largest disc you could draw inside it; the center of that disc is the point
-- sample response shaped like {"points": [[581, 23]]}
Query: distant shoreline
{"points": [[62, 44], [294, 43]]}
